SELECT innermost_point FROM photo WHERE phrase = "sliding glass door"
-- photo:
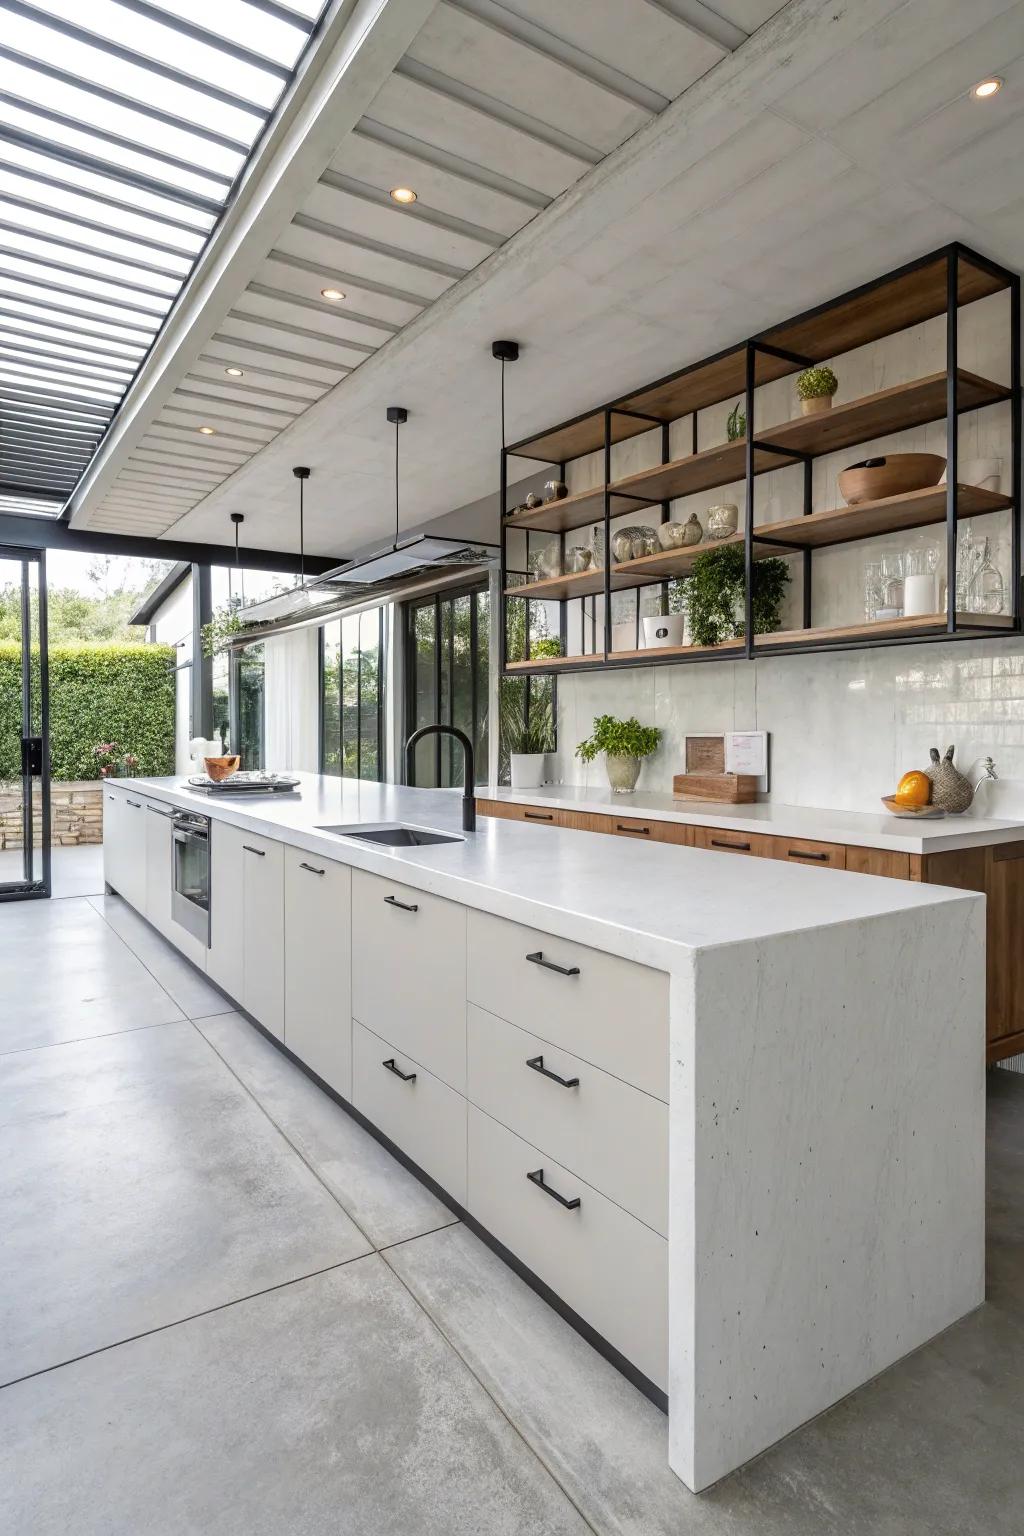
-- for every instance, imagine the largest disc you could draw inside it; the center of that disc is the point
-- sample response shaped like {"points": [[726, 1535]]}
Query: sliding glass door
{"points": [[447, 670], [352, 696], [24, 726]]}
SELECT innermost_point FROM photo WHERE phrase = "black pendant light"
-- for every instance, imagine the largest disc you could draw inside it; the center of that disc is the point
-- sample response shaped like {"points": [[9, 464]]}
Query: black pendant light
{"points": [[238, 518]]}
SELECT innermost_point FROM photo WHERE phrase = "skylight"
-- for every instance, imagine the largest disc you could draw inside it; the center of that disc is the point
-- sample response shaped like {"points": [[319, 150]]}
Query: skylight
{"points": [[124, 128]]}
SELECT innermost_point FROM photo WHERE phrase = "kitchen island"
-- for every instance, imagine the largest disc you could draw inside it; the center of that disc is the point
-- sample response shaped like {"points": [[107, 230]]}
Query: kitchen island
{"points": [[728, 1114]]}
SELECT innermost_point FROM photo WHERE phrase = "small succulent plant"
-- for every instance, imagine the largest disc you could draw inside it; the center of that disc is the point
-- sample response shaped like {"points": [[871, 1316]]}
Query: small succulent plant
{"points": [[736, 423], [815, 383]]}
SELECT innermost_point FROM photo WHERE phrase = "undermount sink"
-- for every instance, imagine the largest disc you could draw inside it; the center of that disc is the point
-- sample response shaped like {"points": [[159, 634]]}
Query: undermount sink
{"points": [[394, 835]]}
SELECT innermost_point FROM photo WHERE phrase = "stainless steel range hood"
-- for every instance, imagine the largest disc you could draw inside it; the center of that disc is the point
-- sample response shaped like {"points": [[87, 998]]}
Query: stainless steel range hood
{"points": [[411, 557]]}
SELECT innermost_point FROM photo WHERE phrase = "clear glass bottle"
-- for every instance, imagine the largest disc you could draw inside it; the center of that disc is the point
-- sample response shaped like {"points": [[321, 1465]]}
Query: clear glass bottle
{"points": [[989, 589]]}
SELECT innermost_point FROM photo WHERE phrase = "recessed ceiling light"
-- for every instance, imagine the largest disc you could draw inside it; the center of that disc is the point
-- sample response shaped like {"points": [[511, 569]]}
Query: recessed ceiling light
{"points": [[403, 195], [335, 295], [206, 431], [235, 373], [988, 87]]}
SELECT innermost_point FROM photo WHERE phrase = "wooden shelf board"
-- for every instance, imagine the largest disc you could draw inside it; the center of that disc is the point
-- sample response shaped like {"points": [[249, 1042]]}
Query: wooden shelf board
{"points": [[553, 663], [560, 588], [572, 512], [925, 624], [679, 651], [844, 426], [892, 514], [575, 438], [708, 383], [667, 565], [906, 300]]}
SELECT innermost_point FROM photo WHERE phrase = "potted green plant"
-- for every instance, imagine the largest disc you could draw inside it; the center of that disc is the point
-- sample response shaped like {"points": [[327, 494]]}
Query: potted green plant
{"points": [[715, 595], [736, 423], [816, 386], [525, 744], [625, 743]]}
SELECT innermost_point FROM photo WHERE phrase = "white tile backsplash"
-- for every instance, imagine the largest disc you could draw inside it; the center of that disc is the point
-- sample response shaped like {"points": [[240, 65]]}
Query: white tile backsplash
{"points": [[844, 725]]}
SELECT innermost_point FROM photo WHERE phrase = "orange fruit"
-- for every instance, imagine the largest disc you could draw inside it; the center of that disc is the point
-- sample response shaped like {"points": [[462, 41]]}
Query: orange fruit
{"points": [[915, 788]]}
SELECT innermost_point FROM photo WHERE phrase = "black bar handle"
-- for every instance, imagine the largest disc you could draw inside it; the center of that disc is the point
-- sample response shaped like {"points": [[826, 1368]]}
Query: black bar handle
{"points": [[737, 847], [312, 869], [259, 852], [538, 816], [798, 853], [167, 815], [537, 1177], [135, 804], [403, 906], [537, 1063], [407, 1077], [549, 965], [636, 831]]}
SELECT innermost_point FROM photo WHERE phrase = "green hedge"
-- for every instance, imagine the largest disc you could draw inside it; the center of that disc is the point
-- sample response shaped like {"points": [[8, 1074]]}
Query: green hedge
{"points": [[122, 693]]}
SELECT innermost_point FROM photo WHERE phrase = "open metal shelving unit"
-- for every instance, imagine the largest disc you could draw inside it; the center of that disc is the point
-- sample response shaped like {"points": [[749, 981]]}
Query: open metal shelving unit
{"points": [[940, 283]]}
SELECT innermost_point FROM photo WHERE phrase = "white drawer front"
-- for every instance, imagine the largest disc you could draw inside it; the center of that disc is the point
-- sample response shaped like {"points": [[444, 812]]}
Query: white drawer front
{"points": [[610, 1012], [606, 1265], [317, 965], [606, 1132], [423, 1116], [409, 972]]}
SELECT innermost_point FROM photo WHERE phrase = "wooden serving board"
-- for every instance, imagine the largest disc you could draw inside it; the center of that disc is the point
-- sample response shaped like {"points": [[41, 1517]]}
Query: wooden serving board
{"points": [[726, 788]]}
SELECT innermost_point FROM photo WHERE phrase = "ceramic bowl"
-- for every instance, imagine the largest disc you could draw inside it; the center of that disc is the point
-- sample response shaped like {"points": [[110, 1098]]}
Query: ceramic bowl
{"points": [[220, 768], [892, 474]]}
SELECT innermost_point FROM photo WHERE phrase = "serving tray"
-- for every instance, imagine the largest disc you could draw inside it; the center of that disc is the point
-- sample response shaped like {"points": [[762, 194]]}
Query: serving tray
{"points": [[245, 784]]}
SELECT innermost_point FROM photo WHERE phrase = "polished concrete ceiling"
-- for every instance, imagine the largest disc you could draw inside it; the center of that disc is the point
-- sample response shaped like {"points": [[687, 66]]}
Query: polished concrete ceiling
{"points": [[622, 187]]}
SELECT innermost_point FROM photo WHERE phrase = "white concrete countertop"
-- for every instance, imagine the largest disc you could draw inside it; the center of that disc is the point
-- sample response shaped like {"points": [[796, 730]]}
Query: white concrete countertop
{"points": [[859, 828], [645, 903]]}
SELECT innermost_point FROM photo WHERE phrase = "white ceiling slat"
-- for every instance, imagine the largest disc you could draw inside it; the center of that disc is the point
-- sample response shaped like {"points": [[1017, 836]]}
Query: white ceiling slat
{"points": [[386, 158], [240, 412], [157, 459], [297, 277], [387, 229], [226, 427], [273, 340], [241, 353], [319, 243], [342, 317], [213, 383], [137, 479], [277, 381], [424, 113], [272, 315], [643, 39], [518, 84], [161, 436], [422, 211]]}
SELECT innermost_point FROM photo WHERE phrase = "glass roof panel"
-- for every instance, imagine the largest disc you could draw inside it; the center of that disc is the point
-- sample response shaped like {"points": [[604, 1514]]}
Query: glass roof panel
{"points": [[124, 128]]}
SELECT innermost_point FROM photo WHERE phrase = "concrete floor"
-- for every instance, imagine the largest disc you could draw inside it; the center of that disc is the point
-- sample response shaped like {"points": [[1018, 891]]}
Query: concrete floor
{"points": [[226, 1310]]}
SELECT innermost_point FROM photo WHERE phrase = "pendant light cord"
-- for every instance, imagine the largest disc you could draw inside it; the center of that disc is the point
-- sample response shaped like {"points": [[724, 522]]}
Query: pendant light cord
{"points": [[396, 486], [302, 536]]}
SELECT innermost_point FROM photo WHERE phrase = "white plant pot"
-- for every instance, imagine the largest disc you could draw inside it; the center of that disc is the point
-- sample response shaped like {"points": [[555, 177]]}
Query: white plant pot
{"points": [[665, 630], [986, 473], [528, 770]]}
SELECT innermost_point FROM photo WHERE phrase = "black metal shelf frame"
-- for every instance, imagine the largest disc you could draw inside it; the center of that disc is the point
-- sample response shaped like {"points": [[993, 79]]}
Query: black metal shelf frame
{"points": [[606, 658]]}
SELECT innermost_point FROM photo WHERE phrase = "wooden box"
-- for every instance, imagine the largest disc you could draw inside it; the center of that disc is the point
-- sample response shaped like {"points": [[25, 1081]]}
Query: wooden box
{"points": [[726, 788]]}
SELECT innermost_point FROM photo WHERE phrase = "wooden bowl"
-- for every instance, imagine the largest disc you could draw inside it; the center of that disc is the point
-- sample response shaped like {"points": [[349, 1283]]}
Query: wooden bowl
{"points": [[220, 768], [911, 812], [890, 474]]}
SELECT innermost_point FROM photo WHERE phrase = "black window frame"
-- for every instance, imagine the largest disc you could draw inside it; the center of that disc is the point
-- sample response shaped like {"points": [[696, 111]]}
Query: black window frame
{"points": [[382, 695]]}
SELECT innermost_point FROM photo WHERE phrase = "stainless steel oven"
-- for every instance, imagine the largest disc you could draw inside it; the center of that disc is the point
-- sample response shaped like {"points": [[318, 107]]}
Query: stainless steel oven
{"points": [[190, 877]]}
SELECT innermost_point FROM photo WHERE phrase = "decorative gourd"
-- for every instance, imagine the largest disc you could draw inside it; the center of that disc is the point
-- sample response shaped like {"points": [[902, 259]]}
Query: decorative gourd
{"points": [[915, 788], [951, 791]]}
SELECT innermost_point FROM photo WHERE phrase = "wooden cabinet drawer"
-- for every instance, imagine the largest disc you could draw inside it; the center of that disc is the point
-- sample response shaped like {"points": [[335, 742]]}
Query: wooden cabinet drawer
{"points": [[720, 841], [799, 850], [606, 1132], [652, 831], [609, 1012], [878, 861], [409, 972], [537, 815], [318, 965], [605, 1264], [419, 1113]]}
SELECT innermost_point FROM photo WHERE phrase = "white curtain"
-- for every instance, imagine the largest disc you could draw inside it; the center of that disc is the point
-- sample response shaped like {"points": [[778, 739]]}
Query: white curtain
{"points": [[291, 680]]}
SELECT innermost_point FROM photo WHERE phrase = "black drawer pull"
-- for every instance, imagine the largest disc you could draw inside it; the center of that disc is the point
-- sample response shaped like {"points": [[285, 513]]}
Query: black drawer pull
{"points": [[407, 1077], [136, 805], [312, 869], [736, 847], [636, 831], [259, 852], [798, 853], [403, 906], [549, 965], [537, 816], [537, 1063], [537, 1177]]}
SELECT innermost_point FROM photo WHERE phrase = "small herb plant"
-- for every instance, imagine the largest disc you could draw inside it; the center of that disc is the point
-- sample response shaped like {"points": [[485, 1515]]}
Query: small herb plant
{"points": [[815, 383], [736, 423], [715, 594], [619, 738]]}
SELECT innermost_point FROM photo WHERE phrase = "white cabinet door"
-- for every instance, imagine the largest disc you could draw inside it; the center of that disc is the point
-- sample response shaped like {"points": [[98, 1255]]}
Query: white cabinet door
{"points": [[159, 866], [409, 972], [224, 958], [317, 965], [262, 896], [124, 845]]}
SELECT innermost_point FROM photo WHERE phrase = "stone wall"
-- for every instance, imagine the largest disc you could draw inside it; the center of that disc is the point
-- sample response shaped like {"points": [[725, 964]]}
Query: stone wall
{"points": [[76, 814]]}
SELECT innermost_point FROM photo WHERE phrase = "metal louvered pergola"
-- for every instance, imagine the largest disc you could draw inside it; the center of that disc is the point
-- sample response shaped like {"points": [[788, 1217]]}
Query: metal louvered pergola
{"points": [[125, 126]]}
